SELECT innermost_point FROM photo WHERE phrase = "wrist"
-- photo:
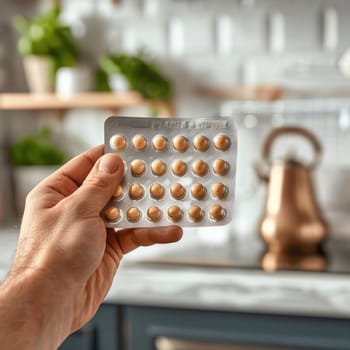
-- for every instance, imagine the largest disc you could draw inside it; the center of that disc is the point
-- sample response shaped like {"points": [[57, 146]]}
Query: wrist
{"points": [[32, 314]]}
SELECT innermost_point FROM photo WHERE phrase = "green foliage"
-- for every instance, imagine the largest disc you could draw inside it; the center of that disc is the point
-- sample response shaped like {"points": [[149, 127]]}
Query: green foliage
{"points": [[142, 75], [36, 149], [46, 36]]}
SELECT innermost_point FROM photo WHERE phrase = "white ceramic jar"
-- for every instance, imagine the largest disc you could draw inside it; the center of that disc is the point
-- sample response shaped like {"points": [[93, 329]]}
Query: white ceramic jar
{"points": [[73, 80]]}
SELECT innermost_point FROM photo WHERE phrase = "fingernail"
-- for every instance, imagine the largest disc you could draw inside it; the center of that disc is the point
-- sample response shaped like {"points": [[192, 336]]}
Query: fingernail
{"points": [[109, 164], [180, 232]]}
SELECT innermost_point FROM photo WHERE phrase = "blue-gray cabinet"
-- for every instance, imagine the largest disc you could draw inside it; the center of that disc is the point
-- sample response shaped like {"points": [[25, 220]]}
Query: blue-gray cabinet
{"points": [[117, 327], [102, 332]]}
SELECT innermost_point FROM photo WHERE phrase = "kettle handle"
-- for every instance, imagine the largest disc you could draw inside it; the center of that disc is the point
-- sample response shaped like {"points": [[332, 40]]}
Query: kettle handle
{"points": [[292, 130]]}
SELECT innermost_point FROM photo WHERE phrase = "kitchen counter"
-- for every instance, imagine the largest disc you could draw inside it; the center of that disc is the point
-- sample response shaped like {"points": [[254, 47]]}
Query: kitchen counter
{"points": [[140, 281], [288, 293]]}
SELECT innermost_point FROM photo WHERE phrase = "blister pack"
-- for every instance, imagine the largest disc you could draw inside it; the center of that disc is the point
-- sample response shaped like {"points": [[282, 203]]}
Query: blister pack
{"points": [[177, 171]]}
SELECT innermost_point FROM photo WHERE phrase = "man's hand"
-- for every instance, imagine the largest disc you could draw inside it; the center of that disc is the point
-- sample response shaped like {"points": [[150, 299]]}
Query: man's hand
{"points": [[65, 254]]}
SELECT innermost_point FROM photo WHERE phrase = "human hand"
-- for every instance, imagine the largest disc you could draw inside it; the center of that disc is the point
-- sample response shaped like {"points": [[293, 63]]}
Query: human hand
{"points": [[64, 246]]}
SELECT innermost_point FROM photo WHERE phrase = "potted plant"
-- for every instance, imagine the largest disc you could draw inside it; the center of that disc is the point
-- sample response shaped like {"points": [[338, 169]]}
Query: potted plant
{"points": [[140, 73], [33, 158], [46, 45]]}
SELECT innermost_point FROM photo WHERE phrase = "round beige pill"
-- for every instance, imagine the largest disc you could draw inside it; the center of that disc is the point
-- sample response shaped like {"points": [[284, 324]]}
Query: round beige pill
{"points": [[178, 191], [220, 167], [136, 192], [112, 213], [139, 142], [180, 143], [137, 167], [200, 167], [118, 142], [158, 167], [133, 214], [160, 143], [157, 191], [118, 193], [222, 142], [175, 214], [195, 213], [179, 167], [217, 212], [219, 190], [201, 143], [198, 191], [154, 214]]}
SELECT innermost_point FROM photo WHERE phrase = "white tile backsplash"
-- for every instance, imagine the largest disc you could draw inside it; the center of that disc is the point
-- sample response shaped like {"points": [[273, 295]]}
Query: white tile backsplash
{"points": [[176, 31], [250, 31], [330, 29], [151, 8], [277, 32], [151, 35], [198, 35], [344, 15], [190, 28], [303, 27], [224, 35], [221, 43]]}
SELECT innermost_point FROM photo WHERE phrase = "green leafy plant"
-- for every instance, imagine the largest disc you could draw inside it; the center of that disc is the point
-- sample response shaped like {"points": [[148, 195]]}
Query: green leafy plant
{"points": [[36, 149], [142, 74], [46, 36]]}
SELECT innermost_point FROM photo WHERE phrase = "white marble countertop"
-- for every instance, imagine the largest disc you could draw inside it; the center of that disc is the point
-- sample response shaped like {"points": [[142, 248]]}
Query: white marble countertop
{"points": [[291, 293]]}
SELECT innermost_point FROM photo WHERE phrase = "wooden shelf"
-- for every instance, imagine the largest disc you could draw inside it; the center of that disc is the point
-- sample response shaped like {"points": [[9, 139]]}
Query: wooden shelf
{"points": [[27, 101]]}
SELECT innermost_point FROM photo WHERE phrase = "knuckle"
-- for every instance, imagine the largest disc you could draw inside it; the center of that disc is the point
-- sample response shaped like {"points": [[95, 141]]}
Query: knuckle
{"points": [[30, 197], [97, 183]]}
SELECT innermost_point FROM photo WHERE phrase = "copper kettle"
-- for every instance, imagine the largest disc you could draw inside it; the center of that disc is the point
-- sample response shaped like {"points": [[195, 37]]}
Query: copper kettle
{"points": [[292, 220], [273, 261]]}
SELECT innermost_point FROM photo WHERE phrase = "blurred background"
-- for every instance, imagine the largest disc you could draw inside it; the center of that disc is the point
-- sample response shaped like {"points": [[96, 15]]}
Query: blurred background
{"points": [[65, 66], [265, 63]]}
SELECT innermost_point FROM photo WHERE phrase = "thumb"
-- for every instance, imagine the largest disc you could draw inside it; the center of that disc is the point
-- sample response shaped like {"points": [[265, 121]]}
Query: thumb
{"points": [[99, 186]]}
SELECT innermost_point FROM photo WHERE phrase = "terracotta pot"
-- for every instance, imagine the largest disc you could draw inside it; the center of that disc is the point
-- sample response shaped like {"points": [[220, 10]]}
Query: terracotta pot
{"points": [[37, 70]]}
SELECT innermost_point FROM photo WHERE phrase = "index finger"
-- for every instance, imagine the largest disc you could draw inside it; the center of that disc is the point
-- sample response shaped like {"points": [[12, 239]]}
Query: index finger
{"points": [[132, 238]]}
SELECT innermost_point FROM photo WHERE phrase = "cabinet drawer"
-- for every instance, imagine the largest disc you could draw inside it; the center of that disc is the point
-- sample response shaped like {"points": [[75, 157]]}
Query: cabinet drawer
{"points": [[163, 343]]}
